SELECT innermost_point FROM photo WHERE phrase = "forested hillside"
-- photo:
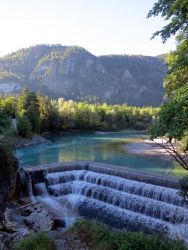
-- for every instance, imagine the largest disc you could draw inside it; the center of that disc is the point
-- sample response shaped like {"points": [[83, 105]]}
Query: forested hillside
{"points": [[74, 73]]}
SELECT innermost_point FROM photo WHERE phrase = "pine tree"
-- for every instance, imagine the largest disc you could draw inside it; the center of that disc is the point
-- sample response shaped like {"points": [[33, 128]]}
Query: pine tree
{"points": [[33, 112], [23, 101]]}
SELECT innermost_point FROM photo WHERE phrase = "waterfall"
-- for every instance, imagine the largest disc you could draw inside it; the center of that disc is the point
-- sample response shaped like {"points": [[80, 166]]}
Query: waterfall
{"points": [[117, 197]]}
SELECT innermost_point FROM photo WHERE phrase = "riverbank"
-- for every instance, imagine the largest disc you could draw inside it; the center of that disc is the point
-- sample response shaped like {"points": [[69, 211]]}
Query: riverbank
{"points": [[23, 142], [144, 146], [147, 147]]}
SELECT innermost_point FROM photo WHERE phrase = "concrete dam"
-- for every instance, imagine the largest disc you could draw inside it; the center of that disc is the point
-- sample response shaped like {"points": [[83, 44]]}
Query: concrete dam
{"points": [[117, 196]]}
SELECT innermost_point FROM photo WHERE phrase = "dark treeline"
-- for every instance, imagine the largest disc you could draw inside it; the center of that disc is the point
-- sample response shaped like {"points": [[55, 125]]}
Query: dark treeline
{"points": [[38, 114]]}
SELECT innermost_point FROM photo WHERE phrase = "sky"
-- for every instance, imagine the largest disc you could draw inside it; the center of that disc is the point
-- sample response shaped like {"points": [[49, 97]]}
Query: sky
{"points": [[102, 27]]}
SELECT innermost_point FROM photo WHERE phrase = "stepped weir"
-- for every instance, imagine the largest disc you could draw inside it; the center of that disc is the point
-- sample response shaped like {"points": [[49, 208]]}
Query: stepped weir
{"points": [[117, 196]]}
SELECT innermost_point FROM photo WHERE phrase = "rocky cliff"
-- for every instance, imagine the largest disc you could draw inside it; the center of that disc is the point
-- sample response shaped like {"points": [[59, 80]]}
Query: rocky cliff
{"points": [[74, 73]]}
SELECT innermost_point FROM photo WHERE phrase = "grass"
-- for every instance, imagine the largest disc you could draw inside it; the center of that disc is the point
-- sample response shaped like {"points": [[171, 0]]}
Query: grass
{"points": [[98, 237], [37, 241]]}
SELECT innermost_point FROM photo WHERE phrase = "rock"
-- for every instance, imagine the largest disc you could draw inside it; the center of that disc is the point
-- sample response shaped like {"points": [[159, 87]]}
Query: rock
{"points": [[6, 222], [32, 218], [8, 240], [19, 222], [6, 185], [36, 217]]}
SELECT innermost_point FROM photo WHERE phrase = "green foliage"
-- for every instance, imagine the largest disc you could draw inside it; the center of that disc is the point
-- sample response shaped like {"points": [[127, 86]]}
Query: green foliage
{"points": [[173, 123], [177, 62], [24, 127], [140, 126], [22, 101], [178, 170], [9, 106], [104, 117], [28, 114], [99, 237], [33, 112], [5, 122], [36, 114], [114, 127], [48, 115], [183, 144], [8, 162], [173, 117], [74, 73], [37, 241], [175, 11]]}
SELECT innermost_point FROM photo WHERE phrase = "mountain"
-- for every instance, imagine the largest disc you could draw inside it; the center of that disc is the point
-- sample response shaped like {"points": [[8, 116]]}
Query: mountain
{"points": [[74, 73]]}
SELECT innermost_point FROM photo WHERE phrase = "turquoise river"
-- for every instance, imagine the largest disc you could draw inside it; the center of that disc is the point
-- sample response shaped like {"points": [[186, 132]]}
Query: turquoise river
{"points": [[104, 148]]}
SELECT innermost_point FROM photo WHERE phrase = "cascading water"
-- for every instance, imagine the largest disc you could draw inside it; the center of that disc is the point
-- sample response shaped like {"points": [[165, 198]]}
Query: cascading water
{"points": [[93, 191]]}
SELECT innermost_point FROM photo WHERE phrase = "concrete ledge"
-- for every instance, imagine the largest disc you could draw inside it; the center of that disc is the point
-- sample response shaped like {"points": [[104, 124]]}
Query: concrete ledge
{"points": [[124, 172], [113, 167]]}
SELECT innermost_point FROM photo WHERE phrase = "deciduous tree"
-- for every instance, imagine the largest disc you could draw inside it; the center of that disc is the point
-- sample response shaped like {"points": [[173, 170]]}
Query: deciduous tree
{"points": [[173, 10], [173, 116]]}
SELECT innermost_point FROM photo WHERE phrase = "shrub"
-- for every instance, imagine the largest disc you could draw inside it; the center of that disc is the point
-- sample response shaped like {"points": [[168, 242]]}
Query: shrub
{"points": [[5, 121], [98, 237], [139, 126], [8, 162], [24, 127], [114, 127], [37, 241]]}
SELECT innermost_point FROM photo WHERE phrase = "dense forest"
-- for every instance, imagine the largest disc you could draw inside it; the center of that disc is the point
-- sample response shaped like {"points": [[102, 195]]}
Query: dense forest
{"points": [[74, 73], [37, 114]]}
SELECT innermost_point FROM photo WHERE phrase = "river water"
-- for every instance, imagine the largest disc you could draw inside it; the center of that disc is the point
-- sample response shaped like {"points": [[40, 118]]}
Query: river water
{"points": [[104, 148]]}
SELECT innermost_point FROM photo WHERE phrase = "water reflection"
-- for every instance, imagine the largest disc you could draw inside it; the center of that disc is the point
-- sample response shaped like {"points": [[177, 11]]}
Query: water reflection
{"points": [[89, 147]]}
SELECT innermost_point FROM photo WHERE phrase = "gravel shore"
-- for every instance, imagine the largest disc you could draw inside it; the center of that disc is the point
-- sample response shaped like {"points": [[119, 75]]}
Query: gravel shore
{"points": [[147, 147]]}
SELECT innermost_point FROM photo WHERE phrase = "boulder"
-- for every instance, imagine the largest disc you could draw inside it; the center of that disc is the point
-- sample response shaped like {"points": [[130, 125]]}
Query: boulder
{"points": [[9, 239], [18, 223], [36, 217]]}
